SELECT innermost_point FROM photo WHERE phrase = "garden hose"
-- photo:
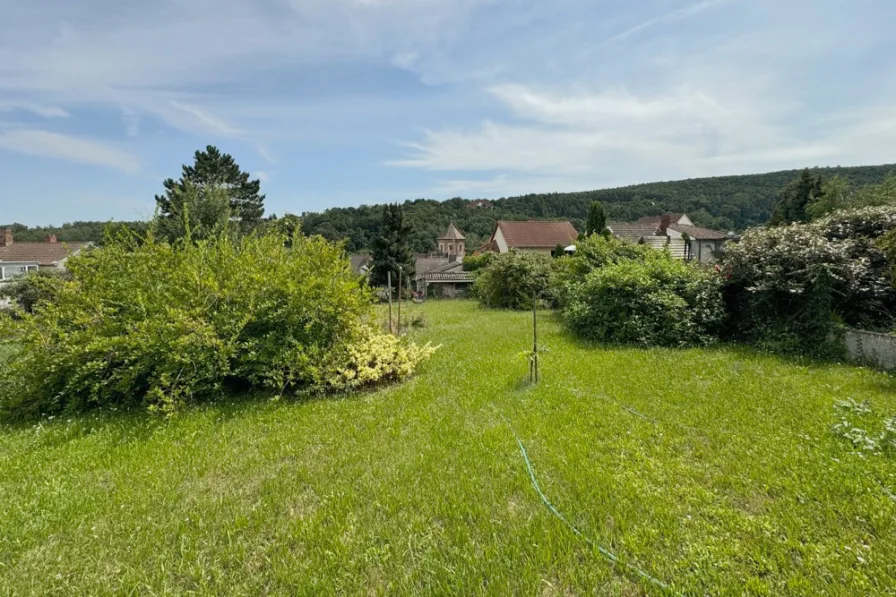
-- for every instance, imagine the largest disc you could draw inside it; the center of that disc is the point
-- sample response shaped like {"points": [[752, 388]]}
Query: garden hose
{"points": [[553, 510]]}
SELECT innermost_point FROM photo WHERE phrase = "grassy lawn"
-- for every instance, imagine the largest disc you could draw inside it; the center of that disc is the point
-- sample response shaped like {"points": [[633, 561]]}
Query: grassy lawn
{"points": [[714, 471]]}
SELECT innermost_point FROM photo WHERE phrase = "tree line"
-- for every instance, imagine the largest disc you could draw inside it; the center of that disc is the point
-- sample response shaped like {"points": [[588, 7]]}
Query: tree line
{"points": [[214, 190], [722, 203]]}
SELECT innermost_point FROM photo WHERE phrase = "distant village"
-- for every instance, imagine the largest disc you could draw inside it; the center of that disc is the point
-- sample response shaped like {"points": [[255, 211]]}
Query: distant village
{"points": [[441, 273]]}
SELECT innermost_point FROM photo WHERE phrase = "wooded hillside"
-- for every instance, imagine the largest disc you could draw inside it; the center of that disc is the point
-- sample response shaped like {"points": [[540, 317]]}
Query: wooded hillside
{"points": [[723, 203]]}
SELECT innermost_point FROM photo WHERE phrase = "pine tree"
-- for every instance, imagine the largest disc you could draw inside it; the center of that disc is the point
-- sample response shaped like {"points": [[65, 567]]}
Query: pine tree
{"points": [[799, 193], [213, 169], [597, 219], [203, 213], [390, 248]]}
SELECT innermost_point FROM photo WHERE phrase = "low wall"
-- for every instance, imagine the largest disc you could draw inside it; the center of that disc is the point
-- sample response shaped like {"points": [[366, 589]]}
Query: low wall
{"points": [[871, 348]]}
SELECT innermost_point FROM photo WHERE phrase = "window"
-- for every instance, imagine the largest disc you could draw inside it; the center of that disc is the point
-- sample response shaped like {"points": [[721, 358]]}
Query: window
{"points": [[8, 272]]}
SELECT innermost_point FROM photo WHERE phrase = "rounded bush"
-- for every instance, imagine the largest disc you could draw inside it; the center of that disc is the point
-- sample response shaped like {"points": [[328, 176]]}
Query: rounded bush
{"points": [[654, 302], [510, 279], [162, 325]]}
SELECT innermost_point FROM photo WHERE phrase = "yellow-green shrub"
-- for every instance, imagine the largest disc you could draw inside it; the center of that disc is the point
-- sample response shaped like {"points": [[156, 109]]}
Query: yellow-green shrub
{"points": [[143, 322]]}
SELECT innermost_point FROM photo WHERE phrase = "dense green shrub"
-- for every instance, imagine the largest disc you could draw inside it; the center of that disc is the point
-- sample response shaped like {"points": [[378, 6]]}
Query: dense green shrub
{"points": [[510, 279], [34, 287], [790, 288], [474, 263], [652, 301], [593, 252], [148, 323]]}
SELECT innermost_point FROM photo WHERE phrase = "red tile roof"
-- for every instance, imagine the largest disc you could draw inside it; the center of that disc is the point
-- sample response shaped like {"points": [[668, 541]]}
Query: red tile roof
{"points": [[45, 254], [535, 234]]}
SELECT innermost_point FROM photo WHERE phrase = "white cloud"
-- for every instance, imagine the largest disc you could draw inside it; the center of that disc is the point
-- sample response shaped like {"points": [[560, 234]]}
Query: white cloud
{"points": [[615, 137], [73, 149], [262, 176]]}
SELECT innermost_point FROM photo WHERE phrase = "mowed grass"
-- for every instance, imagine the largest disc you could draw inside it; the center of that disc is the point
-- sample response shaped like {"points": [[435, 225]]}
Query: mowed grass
{"points": [[734, 486]]}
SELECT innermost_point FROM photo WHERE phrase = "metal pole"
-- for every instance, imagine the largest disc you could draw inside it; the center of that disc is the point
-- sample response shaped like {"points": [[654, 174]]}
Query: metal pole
{"points": [[389, 285]]}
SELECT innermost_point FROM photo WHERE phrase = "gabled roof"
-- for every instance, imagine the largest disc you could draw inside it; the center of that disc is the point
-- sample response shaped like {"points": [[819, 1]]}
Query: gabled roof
{"points": [[45, 254], [425, 263], [699, 233], [452, 233], [673, 218], [448, 267], [536, 234], [449, 272], [633, 230], [359, 261]]}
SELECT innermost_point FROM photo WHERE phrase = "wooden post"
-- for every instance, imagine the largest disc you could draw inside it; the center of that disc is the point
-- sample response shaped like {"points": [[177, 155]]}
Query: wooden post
{"points": [[535, 335], [399, 300], [389, 285]]}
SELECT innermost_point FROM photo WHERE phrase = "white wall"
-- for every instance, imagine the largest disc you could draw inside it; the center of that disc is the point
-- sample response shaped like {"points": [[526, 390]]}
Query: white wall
{"points": [[871, 348], [501, 241]]}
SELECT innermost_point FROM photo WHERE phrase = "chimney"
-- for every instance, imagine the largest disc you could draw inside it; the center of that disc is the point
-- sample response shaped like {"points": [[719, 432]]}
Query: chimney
{"points": [[6, 238], [664, 222], [51, 238]]}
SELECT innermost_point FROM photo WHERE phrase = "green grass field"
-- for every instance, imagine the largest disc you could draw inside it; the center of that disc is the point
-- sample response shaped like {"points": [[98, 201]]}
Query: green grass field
{"points": [[735, 485]]}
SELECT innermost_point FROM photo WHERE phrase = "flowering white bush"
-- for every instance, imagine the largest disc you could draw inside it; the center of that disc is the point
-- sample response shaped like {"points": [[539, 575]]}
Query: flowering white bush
{"points": [[866, 222], [788, 287]]}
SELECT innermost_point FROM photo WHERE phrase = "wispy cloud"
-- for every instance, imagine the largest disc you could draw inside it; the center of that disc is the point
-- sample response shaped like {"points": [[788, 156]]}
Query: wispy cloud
{"points": [[675, 15], [207, 121], [131, 121], [64, 147], [262, 176], [38, 109], [613, 137]]}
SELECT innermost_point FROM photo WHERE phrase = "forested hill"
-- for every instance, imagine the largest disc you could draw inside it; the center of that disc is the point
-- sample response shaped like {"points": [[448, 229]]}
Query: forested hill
{"points": [[723, 203], [71, 232]]}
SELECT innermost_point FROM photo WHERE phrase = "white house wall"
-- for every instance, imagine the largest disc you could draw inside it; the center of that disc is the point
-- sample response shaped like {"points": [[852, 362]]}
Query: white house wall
{"points": [[501, 241]]}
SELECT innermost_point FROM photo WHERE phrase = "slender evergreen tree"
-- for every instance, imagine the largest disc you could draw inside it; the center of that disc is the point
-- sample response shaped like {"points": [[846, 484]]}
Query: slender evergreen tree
{"points": [[390, 248], [597, 219]]}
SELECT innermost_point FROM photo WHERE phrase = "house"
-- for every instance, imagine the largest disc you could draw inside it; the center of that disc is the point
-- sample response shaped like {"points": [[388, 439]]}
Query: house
{"points": [[19, 258], [674, 231], [360, 263], [442, 273], [532, 235], [484, 203], [448, 280]]}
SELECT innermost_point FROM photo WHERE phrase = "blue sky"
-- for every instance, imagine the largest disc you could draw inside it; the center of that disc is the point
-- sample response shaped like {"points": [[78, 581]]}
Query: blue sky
{"points": [[343, 102]]}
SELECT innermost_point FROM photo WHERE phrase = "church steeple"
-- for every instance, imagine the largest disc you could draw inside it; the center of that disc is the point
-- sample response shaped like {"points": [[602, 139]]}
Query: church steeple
{"points": [[453, 242]]}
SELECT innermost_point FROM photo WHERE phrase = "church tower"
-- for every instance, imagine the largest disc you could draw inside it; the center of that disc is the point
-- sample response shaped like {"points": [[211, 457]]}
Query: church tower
{"points": [[452, 242]]}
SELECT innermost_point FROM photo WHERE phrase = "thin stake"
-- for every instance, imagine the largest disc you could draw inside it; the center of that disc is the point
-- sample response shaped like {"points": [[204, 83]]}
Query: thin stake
{"points": [[399, 300], [534, 366], [389, 285]]}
